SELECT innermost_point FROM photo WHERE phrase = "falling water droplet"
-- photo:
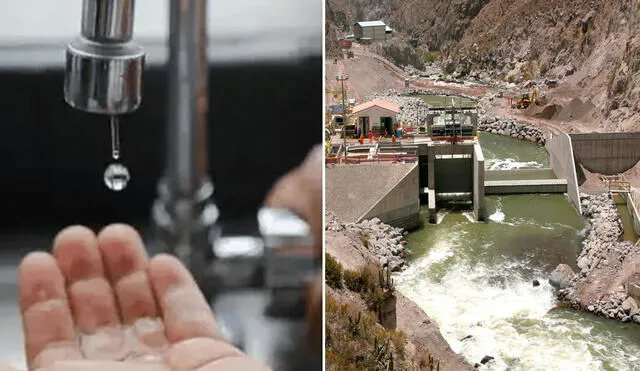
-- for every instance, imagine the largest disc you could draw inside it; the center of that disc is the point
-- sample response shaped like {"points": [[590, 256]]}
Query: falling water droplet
{"points": [[116, 177], [115, 137]]}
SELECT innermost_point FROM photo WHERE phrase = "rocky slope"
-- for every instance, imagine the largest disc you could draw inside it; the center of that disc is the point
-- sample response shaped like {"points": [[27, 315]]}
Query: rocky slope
{"points": [[346, 243], [592, 47], [432, 24], [606, 265]]}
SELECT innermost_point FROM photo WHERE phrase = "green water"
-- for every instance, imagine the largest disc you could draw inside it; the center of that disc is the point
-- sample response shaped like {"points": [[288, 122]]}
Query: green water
{"points": [[520, 174], [627, 223], [504, 153], [476, 279]]}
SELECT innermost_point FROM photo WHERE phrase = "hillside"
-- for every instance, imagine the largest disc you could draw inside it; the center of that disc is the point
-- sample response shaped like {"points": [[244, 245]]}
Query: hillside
{"points": [[353, 331], [591, 47]]}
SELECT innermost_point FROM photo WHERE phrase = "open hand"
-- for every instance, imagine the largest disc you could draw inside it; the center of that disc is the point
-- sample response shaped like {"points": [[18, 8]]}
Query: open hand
{"points": [[99, 303]]}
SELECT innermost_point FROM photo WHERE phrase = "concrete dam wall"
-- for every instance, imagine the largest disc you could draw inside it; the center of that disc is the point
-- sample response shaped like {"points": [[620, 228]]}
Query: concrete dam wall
{"points": [[606, 153], [386, 191], [564, 165]]}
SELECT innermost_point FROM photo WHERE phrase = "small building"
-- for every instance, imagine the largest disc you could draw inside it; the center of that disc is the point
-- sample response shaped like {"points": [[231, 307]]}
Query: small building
{"points": [[376, 116], [372, 30]]}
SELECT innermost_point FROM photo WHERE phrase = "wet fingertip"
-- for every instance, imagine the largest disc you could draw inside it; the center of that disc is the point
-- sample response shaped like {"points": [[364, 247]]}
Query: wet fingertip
{"points": [[36, 257], [119, 232], [167, 268], [122, 250], [39, 278], [76, 234]]}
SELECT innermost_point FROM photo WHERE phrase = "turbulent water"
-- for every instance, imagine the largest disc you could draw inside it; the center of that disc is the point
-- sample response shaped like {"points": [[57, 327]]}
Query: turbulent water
{"points": [[503, 153], [476, 279]]}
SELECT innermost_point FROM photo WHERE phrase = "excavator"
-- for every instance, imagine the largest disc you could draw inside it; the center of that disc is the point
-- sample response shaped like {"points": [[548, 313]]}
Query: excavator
{"points": [[525, 100]]}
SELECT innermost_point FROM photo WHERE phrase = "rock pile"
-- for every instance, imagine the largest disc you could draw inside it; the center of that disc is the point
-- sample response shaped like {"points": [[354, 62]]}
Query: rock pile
{"points": [[512, 128], [601, 256], [413, 109], [386, 242]]}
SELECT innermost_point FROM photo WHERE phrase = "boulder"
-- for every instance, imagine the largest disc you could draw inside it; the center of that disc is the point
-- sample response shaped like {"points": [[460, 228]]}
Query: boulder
{"points": [[561, 277], [629, 305], [486, 359]]}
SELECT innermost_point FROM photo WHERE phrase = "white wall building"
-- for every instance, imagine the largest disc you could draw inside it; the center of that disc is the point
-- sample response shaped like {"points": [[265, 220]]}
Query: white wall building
{"points": [[372, 30], [377, 116]]}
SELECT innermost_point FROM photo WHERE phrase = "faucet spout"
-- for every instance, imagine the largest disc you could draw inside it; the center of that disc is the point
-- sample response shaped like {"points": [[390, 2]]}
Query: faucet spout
{"points": [[103, 73]]}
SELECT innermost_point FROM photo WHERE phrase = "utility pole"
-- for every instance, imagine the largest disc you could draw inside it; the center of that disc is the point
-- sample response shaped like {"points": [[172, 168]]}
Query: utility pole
{"points": [[341, 79]]}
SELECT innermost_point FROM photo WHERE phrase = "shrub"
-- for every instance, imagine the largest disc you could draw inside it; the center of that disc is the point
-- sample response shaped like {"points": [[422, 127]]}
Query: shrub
{"points": [[364, 238], [362, 280], [354, 341], [353, 281], [333, 272]]}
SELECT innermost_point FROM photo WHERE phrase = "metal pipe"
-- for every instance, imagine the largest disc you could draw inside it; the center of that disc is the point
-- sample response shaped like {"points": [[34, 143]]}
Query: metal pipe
{"points": [[184, 213], [108, 20], [187, 155]]}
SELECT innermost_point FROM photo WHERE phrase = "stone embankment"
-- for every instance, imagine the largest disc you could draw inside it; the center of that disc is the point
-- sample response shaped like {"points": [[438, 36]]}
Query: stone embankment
{"points": [[512, 128], [384, 241], [414, 109], [606, 265]]}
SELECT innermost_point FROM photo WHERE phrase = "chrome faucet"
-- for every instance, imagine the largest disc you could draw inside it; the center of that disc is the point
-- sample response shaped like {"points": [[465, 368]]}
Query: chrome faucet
{"points": [[103, 75]]}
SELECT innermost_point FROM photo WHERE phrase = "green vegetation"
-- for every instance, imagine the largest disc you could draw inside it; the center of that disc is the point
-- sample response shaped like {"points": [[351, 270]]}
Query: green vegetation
{"points": [[355, 341], [529, 70], [333, 272], [401, 54], [429, 57], [364, 238]]}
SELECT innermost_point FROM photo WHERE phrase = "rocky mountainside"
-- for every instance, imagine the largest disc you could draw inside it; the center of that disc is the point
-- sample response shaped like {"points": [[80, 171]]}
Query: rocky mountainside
{"points": [[591, 46], [435, 24]]}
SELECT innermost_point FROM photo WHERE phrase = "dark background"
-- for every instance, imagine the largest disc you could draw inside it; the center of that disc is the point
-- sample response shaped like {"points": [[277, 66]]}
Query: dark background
{"points": [[265, 111], [55, 156]]}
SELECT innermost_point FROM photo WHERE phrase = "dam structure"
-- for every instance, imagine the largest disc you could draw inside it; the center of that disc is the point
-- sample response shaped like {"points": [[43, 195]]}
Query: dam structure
{"points": [[442, 161], [608, 154]]}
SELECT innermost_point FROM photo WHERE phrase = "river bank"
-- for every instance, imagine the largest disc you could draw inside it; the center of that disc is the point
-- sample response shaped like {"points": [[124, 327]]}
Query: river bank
{"points": [[606, 265], [369, 244]]}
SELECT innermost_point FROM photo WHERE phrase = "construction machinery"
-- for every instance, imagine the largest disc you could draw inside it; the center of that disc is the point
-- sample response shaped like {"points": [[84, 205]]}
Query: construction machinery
{"points": [[525, 100]]}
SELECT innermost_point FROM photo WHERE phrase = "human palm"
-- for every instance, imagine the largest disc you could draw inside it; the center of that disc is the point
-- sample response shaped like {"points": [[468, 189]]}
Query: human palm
{"points": [[99, 303]]}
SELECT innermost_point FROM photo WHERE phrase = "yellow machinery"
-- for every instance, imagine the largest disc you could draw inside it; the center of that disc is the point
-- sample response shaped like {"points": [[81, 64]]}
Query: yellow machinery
{"points": [[525, 100]]}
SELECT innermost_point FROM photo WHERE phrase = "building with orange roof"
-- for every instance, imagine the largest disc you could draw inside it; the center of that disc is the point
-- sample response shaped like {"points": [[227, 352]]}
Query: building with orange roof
{"points": [[377, 116]]}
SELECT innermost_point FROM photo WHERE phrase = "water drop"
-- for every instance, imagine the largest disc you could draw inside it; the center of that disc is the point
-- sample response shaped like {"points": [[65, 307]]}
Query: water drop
{"points": [[115, 137], [116, 177]]}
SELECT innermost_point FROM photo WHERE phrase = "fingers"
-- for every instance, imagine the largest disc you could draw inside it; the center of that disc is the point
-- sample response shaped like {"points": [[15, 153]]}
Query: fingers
{"points": [[46, 317], [105, 365], [194, 353], [300, 190], [185, 312], [90, 294], [125, 259]]}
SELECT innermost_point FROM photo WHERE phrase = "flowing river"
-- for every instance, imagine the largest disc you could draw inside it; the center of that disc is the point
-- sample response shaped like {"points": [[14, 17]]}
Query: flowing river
{"points": [[476, 279]]}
